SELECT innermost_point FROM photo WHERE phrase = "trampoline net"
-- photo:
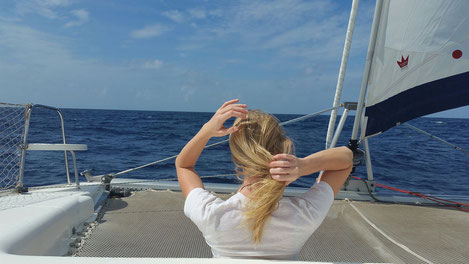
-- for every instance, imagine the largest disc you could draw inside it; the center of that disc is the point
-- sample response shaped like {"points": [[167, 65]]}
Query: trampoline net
{"points": [[152, 224]]}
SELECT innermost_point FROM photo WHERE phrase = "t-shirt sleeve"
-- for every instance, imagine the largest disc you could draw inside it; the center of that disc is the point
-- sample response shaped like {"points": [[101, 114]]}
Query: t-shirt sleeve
{"points": [[318, 200], [199, 205]]}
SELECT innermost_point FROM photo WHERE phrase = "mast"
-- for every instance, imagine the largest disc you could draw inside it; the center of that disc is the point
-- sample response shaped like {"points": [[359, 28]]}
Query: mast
{"points": [[343, 66], [366, 74]]}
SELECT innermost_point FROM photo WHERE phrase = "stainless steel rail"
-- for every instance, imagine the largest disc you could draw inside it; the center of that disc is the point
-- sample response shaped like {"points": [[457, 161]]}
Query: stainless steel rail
{"points": [[65, 147]]}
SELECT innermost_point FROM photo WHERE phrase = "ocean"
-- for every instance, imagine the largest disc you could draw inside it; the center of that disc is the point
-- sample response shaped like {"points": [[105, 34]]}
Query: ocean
{"points": [[121, 139]]}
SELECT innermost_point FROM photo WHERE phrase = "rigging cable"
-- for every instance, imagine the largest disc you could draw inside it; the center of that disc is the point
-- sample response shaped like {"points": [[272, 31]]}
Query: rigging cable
{"points": [[294, 120], [437, 138]]}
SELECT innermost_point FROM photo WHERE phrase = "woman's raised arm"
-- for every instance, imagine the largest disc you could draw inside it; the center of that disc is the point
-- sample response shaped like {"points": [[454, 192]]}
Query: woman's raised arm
{"points": [[187, 158]]}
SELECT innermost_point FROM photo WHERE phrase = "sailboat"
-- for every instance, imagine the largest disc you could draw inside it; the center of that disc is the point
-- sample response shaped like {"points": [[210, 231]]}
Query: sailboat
{"points": [[417, 63]]}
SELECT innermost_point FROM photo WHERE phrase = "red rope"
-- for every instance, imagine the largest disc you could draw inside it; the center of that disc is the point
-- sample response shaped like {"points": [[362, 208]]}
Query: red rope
{"points": [[435, 199], [431, 198]]}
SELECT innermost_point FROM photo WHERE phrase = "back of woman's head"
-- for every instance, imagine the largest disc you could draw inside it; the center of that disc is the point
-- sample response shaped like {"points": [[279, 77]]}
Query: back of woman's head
{"points": [[258, 139]]}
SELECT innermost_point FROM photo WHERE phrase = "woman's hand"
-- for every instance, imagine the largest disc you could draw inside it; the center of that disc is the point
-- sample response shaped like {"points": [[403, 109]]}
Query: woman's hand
{"points": [[187, 158], [215, 128], [286, 168]]}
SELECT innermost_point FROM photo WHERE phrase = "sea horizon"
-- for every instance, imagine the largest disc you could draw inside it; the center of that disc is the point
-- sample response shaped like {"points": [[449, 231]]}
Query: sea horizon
{"points": [[121, 139]]}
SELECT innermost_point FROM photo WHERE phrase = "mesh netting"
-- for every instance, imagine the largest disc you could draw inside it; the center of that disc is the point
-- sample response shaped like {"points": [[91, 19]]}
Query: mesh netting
{"points": [[152, 224], [12, 126]]}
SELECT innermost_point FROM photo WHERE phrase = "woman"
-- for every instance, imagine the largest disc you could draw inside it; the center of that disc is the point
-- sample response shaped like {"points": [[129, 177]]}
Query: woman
{"points": [[257, 222]]}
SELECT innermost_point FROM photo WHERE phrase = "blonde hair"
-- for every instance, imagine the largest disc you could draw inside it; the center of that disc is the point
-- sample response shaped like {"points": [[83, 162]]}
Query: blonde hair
{"points": [[258, 139]]}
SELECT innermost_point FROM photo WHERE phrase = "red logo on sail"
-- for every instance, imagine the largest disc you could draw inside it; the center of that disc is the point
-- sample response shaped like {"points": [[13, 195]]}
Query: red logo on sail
{"points": [[457, 54], [403, 61]]}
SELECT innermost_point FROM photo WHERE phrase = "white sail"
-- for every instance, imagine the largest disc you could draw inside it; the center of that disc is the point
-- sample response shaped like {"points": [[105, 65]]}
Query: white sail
{"points": [[420, 63]]}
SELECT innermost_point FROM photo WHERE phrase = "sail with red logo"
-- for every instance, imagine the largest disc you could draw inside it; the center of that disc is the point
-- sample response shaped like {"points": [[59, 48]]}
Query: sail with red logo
{"points": [[420, 63]]}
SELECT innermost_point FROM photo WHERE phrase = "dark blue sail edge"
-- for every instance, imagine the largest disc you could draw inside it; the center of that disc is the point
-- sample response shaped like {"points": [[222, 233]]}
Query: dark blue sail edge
{"points": [[442, 94]]}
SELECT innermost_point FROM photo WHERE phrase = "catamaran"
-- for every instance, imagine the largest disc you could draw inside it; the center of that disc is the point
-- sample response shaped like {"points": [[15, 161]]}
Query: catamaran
{"points": [[417, 63]]}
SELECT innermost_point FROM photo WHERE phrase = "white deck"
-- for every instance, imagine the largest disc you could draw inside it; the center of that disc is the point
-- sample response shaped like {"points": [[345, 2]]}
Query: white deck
{"points": [[42, 221]]}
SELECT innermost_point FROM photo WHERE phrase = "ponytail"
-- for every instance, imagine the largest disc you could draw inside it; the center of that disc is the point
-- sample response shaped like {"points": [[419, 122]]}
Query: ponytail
{"points": [[262, 203], [258, 138]]}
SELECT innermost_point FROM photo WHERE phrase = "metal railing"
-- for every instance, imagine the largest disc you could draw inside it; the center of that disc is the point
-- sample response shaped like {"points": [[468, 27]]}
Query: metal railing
{"points": [[28, 115], [25, 146]]}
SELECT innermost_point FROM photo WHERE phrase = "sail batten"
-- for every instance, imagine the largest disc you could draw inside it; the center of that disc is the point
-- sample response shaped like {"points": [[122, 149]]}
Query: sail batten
{"points": [[420, 63]]}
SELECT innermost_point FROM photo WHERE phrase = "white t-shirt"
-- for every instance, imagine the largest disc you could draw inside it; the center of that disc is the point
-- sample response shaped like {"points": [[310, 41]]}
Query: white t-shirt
{"points": [[285, 233]]}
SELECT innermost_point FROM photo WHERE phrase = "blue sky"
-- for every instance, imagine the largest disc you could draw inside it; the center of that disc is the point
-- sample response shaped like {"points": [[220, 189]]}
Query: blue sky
{"points": [[280, 56]]}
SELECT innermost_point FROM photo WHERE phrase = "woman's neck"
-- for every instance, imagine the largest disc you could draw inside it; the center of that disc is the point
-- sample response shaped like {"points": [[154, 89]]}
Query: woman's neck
{"points": [[246, 188]]}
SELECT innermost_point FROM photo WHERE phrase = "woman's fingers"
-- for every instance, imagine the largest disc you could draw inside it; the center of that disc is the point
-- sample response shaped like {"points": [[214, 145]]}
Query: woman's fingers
{"points": [[228, 131], [215, 126], [229, 102], [233, 110], [280, 164], [230, 105], [284, 167], [283, 156], [281, 170], [232, 113], [284, 177], [229, 109], [233, 107], [283, 162]]}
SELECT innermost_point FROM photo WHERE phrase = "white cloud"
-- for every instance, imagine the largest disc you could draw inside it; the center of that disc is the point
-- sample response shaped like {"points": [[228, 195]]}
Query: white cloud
{"points": [[155, 64], [31, 47], [234, 61], [198, 13], [44, 8], [82, 16], [192, 13], [260, 21], [9, 18], [188, 92], [174, 15], [260, 25], [42, 68], [281, 38], [216, 12], [149, 31], [296, 29], [54, 2], [308, 70]]}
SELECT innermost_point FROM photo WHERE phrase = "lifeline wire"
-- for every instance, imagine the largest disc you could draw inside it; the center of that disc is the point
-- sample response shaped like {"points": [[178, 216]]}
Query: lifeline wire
{"points": [[175, 179], [283, 124], [226, 140]]}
